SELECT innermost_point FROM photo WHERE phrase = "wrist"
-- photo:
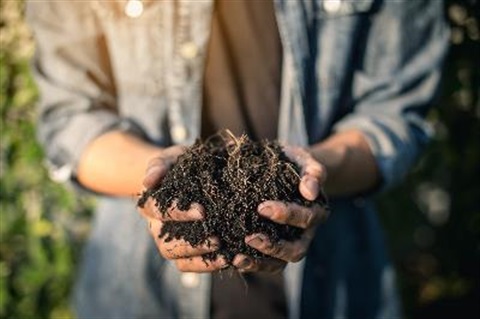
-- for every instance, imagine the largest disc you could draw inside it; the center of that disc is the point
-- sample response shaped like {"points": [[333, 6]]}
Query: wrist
{"points": [[115, 163], [333, 159], [350, 164]]}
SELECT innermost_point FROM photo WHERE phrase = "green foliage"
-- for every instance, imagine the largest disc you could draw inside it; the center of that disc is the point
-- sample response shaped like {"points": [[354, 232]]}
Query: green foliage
{"points": [[432, 221], [40, 222]]}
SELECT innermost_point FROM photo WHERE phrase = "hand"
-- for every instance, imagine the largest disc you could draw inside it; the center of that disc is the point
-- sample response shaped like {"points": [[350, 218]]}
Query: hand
{"points": [[313, 176], [185, 256]]}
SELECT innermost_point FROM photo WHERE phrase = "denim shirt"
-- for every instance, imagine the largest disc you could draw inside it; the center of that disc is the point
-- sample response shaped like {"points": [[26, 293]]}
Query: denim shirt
{"points": [[369, 65]]}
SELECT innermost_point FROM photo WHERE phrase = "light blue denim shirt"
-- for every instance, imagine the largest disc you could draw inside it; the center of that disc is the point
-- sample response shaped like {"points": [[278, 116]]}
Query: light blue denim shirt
{"points": [[369, 65]]}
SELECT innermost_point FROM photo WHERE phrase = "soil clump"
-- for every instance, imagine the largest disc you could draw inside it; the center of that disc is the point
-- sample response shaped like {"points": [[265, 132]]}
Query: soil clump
{"points": [[229, 177]]}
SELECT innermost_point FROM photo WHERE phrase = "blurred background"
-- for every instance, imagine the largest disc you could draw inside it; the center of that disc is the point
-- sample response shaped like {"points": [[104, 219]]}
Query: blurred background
{"points": [[432, 222]]}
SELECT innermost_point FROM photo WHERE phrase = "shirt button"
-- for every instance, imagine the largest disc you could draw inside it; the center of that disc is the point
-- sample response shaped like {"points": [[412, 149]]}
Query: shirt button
{"points": [[179, 133], [190, 280], [134, 8], [189, 50], [332, 6]]}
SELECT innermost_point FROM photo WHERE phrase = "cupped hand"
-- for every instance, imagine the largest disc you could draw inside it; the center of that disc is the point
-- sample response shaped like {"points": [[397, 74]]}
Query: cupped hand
{"points": [[185, 256], [313, 176]]}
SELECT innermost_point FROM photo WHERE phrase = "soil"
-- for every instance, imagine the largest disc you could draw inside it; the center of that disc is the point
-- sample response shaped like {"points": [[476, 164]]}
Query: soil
{"points": [[229, 177]]}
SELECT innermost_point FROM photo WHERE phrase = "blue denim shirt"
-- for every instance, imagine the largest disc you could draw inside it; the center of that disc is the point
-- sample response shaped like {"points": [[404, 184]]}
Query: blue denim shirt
{"points": [[369, 65]]}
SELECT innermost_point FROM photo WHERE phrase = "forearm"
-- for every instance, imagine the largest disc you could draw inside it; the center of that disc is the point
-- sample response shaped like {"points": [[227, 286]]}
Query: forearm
{"points": [[115, 164], [351, 167]]}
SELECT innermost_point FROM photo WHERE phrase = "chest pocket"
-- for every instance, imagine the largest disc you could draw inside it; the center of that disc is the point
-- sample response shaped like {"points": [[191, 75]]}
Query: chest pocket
{"points": [[339, 8]]}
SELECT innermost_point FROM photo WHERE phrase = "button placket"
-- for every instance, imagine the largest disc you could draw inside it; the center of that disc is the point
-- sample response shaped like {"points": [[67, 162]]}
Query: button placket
{"points": [[186, 50]]}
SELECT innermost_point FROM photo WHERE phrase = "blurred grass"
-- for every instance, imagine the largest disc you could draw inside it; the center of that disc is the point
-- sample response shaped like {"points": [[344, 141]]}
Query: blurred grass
{"points": [[432, 222]]}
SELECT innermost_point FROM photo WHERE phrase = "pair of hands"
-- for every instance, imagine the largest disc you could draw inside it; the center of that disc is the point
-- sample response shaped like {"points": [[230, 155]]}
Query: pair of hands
{"points": [[189, 258]]}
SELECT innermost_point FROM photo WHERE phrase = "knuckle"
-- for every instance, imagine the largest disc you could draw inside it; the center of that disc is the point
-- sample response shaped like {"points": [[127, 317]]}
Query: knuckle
{"points": [[297, 217], [187, 264], [294, 219], [156, 162], [281, 217], [276, 249], [281, 214], [165, 252], [296, 258], [181, 265], [278, 268], [297, 255], [151, 210], [315, 169], [214, 265], [309, 219], [300, 217], [218, 263], [169, 250]]}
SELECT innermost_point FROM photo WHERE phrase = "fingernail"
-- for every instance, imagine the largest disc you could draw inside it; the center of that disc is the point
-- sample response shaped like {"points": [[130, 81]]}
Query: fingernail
{"points": [[225, 266], [151, 176], [256, 240], [245, 263], [266, 210], [222, 262], [311, 185], [151, 170], [196, 212]]}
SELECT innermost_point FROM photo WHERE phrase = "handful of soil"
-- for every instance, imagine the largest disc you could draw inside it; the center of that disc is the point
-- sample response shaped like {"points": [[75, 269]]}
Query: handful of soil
{"points": [[229, 177]]}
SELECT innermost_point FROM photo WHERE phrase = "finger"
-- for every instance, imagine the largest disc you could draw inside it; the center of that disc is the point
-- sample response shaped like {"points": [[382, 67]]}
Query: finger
{"points": [[309, 187], [313, 174], [150, 210], [311, 167], [174, 151], [291, 214], [198, 264], [154, 227], [283, 250], [159, 166], [313, 177], [195, 212], [179, 248], [247, 264], [154, 176]]}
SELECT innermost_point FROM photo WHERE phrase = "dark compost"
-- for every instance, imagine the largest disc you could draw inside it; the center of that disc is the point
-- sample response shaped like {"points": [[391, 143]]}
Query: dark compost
{"points": [[229, 177]]}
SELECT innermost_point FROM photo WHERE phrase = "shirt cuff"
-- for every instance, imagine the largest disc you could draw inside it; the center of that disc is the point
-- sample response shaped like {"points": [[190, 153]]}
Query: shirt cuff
{"points": [[395, 143], [65, 152]]}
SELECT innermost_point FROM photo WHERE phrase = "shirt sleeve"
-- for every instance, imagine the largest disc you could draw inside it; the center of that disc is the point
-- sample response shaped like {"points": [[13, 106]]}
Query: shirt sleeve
{"points": [[77, 92], [396, 82]]}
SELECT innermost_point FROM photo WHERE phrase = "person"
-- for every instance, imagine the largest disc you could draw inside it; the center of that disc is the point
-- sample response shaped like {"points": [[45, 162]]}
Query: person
{"points": [[344, 85]]}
